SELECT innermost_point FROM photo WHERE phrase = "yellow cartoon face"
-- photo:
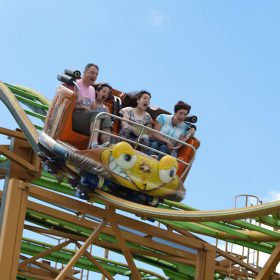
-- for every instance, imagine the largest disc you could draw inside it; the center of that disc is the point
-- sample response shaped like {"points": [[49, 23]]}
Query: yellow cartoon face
{"points": [[137, 171]]}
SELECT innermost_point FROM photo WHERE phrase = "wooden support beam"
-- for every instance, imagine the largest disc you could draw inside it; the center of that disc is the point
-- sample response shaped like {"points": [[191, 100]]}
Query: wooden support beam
{"points": [[112, 246], [147, 242], [54, 232], [205, 267], [167, 257], [12, 228], [53, 271], [12, 133], [236, 260], [38, 274], [81, 251], [44, 253], [102, 213], [96, 263], [17, 159], [2, 173], [229, 257], [25, 164], [112, 219], [106, 256], [34, 275], [270, 265], [86, 208]]}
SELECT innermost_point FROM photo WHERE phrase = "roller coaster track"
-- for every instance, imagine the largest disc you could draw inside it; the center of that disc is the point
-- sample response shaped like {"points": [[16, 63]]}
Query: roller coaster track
{"points": [[230, 225]]}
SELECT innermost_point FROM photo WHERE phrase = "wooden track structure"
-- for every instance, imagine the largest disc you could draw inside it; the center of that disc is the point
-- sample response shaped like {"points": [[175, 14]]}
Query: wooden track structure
{"points": [[113, 223]]}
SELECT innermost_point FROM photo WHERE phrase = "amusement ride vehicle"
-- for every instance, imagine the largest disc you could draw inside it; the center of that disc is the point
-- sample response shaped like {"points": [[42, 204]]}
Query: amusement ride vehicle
{"points": [[120, 168]]}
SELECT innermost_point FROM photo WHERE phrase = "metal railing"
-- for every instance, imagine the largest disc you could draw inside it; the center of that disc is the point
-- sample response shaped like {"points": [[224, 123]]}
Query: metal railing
{"points": [[136, 143]]}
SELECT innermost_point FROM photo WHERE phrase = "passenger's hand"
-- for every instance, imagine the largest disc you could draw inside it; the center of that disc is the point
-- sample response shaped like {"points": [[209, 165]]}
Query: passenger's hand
{"points": [[192, 132], [170, 146], [135, 131], [81, 107]]}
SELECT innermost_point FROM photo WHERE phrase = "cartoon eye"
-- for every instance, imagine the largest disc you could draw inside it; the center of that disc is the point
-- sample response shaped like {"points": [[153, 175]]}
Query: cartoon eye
{"points": [[126, 161], [167, 169], [166, 175]]}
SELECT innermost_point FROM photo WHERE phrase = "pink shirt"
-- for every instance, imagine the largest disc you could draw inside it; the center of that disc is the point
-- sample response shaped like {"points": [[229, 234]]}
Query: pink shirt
{"points": [[86, 95]]}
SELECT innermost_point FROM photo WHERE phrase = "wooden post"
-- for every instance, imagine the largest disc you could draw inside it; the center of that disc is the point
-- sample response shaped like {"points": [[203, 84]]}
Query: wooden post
{"points": [[126, 251], [205, 267], [270, 265], [81, 251], [12, 228]]}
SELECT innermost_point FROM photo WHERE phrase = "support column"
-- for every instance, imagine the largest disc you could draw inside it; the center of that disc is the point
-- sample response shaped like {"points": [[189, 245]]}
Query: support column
{"points": [[12, 228], [205, 267], [270, 265], [122, 243], [81, 251]]}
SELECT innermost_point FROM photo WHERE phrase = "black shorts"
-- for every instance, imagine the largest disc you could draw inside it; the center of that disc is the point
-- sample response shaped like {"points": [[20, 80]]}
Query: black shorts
{"points": [[83, 118]]}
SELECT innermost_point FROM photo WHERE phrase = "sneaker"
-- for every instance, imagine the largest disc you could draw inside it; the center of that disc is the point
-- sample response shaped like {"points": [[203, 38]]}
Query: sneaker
{"points": [[94, 145], [81, 195], [106, 144]]}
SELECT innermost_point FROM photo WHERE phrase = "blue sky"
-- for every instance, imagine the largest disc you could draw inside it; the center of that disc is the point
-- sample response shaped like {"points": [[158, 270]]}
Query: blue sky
{"points": [[222, 57]]}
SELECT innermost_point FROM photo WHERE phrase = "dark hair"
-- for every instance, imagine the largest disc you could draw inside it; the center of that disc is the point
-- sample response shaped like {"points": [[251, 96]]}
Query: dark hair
{"points": [[90, 65], [99, 86], [141, 93], [182, 105]]}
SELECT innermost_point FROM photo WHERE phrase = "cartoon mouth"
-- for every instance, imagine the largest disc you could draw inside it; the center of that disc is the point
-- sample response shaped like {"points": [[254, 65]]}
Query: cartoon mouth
{"points": [[115, 168], [144, 186]]}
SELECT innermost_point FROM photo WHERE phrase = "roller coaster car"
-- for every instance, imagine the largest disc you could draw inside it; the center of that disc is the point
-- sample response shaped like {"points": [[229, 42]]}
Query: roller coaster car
{"points": [[120, 169]]}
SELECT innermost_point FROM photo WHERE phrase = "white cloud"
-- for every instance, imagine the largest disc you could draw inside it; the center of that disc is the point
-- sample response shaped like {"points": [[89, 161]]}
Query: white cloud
{"points": [[272, 196], [158, 18]]}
